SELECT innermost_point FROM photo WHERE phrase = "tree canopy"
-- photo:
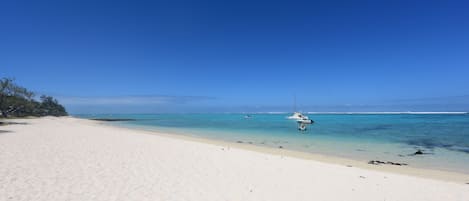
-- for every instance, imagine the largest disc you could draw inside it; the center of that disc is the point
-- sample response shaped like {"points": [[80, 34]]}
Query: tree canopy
{"points": [[17, 101]]}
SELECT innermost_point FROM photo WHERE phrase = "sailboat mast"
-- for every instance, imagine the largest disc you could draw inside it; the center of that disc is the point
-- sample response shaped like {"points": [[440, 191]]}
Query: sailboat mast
{"points": [[294, 103]]}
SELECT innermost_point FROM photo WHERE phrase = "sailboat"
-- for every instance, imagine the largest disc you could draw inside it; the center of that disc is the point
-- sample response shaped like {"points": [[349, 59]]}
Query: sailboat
{"points": [[297, 115], [300, 118]]}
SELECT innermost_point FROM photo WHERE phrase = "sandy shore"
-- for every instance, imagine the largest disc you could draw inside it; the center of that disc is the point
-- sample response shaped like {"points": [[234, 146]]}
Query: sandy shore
{"points": [[76, 159]]}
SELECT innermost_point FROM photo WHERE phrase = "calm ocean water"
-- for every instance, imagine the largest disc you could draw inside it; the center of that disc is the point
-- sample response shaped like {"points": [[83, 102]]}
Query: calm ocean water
{"points": [[444, 138]]}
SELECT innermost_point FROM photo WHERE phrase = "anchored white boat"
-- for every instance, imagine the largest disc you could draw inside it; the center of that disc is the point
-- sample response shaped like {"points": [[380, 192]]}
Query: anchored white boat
{"points": [[301, 119], [297, 116]]}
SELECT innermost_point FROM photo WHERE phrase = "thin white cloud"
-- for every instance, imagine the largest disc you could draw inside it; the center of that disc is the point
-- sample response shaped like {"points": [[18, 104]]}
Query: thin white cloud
{"points": [[130, 100]]}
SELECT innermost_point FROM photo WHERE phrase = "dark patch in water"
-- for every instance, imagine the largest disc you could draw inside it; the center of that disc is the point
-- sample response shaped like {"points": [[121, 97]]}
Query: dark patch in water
{"points": [[374, 128], [460, 149], [239, 141], [431, 144], [427, 143], [420, 152]]}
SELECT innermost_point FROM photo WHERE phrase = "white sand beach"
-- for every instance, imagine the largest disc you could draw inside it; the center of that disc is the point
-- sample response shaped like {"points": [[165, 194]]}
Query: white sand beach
{"points": [[75, 159]]}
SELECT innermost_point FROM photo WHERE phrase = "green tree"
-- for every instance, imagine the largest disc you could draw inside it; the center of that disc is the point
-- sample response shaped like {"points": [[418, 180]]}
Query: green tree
{"points": [[50, 106], [19, 102], [13, 97]]}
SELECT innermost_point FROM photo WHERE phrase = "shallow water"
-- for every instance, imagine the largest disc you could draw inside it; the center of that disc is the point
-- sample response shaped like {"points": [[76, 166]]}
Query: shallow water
{"points": [[444, 138]]}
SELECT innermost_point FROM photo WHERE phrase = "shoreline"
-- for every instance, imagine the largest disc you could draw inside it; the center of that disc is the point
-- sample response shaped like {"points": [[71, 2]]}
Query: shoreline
{"points": [[428, 173], [76, 159]]}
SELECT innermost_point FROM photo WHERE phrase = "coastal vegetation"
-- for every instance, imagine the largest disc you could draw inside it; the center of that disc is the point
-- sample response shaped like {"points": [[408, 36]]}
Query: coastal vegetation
{"points": [[17, 101]]}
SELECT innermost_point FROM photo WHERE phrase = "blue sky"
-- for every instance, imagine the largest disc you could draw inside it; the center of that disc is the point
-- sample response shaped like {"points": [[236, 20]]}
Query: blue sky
{"points": [[184, 56]]}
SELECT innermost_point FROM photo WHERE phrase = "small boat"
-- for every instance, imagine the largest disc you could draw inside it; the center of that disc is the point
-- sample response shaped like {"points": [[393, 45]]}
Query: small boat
{"points": [[302, 127], [305, 121], [300, 118], [297, 116], [247, 116]]}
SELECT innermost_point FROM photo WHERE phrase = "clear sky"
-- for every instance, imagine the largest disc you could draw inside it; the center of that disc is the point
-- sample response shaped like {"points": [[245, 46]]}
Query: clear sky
{"points": [[177, 56]]}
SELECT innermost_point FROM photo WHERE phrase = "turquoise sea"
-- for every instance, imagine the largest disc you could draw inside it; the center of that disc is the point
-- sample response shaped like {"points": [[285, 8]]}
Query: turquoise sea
{"points": [[443, 138]]}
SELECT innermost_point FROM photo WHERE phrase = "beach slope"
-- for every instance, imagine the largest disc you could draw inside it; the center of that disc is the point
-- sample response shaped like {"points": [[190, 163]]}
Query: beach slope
{"points": [[76, 159]]}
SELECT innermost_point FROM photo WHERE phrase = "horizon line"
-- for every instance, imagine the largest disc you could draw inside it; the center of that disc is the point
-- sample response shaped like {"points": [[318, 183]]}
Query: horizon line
{"points": [[402, 112]]}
